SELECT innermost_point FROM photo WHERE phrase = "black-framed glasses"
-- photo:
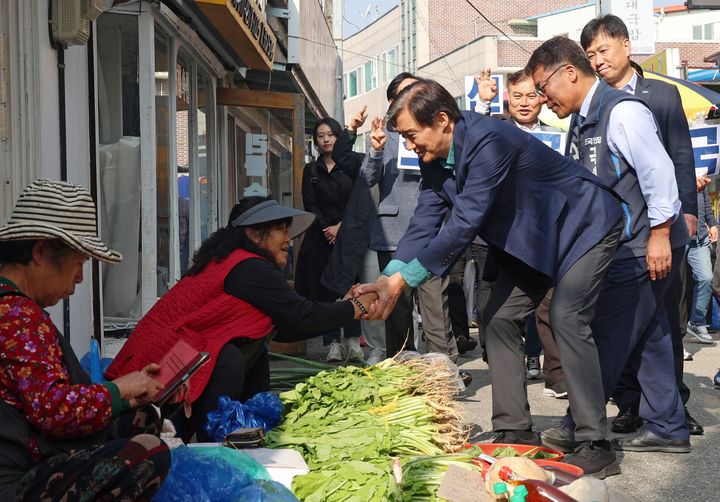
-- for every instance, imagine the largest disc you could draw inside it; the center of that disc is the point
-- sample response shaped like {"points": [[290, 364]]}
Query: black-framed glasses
{"points": [[540, 88]]}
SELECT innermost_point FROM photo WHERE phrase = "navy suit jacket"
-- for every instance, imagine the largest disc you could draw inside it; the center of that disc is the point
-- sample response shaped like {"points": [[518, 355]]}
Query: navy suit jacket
{"points": [[663, 99], [513, 191]]}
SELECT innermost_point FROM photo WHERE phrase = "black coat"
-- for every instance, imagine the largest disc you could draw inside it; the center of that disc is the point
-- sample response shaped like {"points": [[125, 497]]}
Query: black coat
{"points": [[326, 194]]}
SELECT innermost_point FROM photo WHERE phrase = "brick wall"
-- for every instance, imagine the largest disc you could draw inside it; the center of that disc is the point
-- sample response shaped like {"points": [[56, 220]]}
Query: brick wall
{"points": [[511, 56], [693, 52], [454, 23]]}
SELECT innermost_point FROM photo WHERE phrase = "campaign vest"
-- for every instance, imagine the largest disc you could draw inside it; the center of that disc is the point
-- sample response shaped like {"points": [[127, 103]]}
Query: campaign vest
{"points": [[16, 431], [588, 145], [198, 310]]}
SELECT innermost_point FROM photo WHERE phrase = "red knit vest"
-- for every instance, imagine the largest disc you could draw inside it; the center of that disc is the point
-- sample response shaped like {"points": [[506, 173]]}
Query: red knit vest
{"points": [[198, 310]]}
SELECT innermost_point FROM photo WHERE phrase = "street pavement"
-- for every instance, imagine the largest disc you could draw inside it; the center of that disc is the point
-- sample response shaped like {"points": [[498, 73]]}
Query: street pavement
{"points": [[646, 477]]}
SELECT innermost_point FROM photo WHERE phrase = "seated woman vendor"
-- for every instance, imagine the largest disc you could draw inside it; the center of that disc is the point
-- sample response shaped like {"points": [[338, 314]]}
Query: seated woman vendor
{"points": [[56, 427], [232, 299]]}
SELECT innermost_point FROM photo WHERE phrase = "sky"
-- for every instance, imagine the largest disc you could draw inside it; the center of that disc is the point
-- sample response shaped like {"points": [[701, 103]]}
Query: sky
{"points": [[360, 13]]}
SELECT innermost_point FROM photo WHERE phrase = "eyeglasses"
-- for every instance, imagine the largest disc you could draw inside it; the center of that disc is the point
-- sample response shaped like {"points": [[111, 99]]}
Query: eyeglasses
{"points": [[540, 88]]}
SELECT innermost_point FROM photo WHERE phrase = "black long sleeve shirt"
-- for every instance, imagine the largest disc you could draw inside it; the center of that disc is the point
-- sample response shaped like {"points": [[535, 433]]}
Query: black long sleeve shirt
{"points": [[260, 283]]}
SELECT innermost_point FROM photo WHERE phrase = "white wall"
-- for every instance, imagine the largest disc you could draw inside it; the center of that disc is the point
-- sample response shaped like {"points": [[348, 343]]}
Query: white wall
{"points": [[678, 26], [569, 23]]}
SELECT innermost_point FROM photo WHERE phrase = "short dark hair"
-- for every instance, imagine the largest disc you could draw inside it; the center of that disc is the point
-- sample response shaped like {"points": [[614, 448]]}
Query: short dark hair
{"points": [[558, 51], [518, 76], [610, 25], [395, 83], [333, 124], [424, 99], [21, 252]]}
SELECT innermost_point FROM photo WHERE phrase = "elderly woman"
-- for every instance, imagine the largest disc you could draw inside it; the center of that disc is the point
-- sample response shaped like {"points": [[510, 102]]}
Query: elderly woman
{"points": [[56, 427], [232, 300]]}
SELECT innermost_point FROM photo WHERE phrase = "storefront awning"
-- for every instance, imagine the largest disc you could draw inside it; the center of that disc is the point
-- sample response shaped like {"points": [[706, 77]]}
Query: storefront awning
{"points": [[242, 25]]}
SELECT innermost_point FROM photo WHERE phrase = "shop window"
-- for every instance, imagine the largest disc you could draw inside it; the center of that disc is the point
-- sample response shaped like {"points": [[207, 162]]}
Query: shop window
{"points": [[260, 155], [204, 178], [119, 162], [164, 175], [183, 126]]}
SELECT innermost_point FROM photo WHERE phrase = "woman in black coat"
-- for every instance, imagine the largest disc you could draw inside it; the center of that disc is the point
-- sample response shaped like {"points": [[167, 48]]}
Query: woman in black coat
{"points": [[326, 188]]}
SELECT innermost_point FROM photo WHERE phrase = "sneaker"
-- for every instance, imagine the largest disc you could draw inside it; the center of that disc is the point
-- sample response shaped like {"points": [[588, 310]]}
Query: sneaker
{"points": [[556, 390], [687, 356], [561, 438], [699, 332], [529, 437], [533, 367], [595, 458], [336, 353], [354, 351], [376, 355]]}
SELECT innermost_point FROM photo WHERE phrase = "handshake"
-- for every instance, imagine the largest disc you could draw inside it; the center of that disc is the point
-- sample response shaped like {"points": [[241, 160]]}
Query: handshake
{"points": [[376, 301]]}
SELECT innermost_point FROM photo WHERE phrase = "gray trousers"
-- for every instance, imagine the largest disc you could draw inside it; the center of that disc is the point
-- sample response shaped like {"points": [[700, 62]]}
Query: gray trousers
{"points": [[517, 292], [433, 304]]}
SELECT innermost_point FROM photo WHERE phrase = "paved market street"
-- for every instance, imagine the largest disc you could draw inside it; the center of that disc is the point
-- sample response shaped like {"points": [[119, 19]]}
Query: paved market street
{"points": [[646, 477]]}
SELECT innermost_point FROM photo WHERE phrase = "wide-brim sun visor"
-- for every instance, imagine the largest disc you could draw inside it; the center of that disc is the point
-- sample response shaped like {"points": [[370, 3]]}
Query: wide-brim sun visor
{"points": [[271, 211]]}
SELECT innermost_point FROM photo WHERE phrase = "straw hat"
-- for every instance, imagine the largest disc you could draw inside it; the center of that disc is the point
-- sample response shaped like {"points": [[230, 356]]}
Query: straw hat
{"points": [[49, 209]]}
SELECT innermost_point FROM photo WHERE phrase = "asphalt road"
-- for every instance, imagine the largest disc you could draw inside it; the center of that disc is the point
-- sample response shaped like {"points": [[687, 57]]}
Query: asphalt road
{"points": [[646, 477]]}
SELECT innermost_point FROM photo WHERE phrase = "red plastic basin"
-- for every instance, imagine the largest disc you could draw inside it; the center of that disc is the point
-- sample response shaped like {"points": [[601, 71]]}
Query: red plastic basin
{"points": [[489, 448]]}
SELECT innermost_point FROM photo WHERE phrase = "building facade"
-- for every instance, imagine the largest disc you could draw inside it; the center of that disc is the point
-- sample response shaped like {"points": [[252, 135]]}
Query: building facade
{"points": [[169, 112]]}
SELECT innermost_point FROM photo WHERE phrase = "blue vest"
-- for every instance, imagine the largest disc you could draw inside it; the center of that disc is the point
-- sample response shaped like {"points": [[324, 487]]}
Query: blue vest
{"points": [[588, 145]]}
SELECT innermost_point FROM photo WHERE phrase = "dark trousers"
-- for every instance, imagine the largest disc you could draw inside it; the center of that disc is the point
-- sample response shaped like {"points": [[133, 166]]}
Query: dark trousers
{"points": [[483, 287], [677, 305], [631, 328], [132, 468], [533, 348], [517, 292], [457, 304], [399, 325], [552, 368], [235, 375]]}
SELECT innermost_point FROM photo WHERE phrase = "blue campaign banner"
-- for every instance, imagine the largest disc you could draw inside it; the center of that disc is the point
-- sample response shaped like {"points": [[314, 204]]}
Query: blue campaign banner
{"points": [[706, 149], [471, 94], [407, 159], [553, 139]]}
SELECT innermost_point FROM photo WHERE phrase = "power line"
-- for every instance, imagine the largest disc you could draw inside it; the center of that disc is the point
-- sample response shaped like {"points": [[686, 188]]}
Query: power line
{"points": [[366, 56], [497, 27]]}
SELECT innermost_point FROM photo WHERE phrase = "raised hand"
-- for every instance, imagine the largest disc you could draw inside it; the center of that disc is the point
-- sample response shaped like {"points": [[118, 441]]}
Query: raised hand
{"points": [[487, 88], [358, 119], [377, 134]]}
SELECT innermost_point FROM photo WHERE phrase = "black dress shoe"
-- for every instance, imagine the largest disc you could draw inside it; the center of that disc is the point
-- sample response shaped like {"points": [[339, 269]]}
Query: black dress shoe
{"points": [[695, 428], [528, 437], [465, 345], [647, 441], [627, 420], [717, 378]]}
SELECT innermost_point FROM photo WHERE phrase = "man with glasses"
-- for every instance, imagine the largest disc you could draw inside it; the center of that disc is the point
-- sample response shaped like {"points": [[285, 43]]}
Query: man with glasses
{"points": [[613, 134], [606, 42]]}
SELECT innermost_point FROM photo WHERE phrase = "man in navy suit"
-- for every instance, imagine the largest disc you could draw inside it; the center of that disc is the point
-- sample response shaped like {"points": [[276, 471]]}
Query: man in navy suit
{"points": [[551, 223], [613, 134], [606, 41]]}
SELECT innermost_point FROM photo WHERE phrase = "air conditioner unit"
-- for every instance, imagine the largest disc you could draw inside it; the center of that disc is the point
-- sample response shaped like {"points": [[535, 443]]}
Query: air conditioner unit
{"points": [[71, 20]]}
